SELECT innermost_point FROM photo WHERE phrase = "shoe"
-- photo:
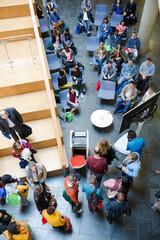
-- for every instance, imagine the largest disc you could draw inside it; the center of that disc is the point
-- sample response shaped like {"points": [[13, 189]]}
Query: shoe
{"points": [[46, 187], [80, 210], [77, 94], [89, 33], [115, 111], [118, 166], [82, 95], [84, 91]]}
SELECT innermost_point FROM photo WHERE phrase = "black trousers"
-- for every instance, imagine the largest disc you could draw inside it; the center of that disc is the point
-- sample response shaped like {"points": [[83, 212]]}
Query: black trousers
{"points": [[18, 129], [69, 65], [141, 83]]}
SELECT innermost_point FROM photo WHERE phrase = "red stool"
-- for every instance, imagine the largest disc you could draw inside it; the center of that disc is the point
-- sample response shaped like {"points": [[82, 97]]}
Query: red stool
{"points": [[78, 162]]}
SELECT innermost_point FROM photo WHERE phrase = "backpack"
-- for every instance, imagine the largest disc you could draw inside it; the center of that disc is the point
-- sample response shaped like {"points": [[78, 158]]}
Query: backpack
{"points": [[50, 47], [93, 201], [78, 29], [65, 116], [66, 197], [23, 189]]}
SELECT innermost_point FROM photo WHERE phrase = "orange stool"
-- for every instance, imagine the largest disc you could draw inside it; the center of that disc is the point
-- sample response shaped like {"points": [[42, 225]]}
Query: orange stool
{"points": [[78, 162]]}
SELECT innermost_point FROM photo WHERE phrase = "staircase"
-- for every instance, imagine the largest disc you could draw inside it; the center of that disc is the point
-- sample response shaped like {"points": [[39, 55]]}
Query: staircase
{"points": [[25, 84]]}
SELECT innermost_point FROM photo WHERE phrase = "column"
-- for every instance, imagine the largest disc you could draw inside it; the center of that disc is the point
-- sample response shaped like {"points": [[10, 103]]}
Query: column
{"points": [[148, 19]]}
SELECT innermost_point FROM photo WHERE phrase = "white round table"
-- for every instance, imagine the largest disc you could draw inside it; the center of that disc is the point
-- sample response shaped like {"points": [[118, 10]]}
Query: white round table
{"points": [[101, 118]]}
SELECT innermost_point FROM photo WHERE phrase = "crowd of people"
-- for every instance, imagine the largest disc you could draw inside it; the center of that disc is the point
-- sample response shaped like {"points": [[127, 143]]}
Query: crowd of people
{"points": [[119, 62]]}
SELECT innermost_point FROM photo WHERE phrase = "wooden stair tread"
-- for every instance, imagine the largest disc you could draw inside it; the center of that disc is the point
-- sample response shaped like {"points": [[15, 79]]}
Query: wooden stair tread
{"points": [[48, 156], [12, 24], [4, 3], [27, 102]]}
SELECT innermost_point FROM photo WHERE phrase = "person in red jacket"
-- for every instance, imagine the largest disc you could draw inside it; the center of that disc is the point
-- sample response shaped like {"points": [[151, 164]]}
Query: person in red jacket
{"points": [[71, 189]]}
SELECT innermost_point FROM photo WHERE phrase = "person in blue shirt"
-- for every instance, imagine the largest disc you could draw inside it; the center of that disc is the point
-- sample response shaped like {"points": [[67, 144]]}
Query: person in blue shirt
{"points": [[104, 30], [88, 188], [54, 18], [135, 144], [128, 73], [133, 45]]}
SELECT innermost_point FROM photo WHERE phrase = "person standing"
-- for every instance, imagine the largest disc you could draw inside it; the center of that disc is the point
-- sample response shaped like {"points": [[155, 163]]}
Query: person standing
{"points": [[97, 165], [88, 188]]}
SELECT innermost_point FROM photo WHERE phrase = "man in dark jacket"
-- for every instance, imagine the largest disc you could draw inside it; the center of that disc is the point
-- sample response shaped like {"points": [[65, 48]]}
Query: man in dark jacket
{"points": [[11, 123], [117, 208]]}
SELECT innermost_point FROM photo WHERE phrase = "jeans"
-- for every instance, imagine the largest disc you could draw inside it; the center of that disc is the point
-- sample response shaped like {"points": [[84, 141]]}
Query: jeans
{"points": [[86, 24], [100, 63], [119, 103], [123, 79], [103, 36], [134, 54], [79, 85]]}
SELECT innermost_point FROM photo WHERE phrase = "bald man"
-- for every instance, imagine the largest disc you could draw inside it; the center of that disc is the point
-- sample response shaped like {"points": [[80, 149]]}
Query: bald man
{"points": [[11, 123], [97, 165], [117, 208]]}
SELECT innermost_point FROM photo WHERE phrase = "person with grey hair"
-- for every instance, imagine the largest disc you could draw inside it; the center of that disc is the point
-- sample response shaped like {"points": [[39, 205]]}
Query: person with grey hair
{"points": [[11, 123], [37, 174], [88, 188]]}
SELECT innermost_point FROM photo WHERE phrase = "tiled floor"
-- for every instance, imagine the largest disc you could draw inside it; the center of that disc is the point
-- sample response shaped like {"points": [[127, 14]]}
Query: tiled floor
{"points": [[144, 224]]}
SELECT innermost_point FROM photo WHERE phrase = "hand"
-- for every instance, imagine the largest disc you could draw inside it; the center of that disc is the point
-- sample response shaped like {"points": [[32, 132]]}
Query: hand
{"points": [[105, 78], [124, 215], [123, 99], [12, 218], [124, 169], [127, 99], [125, 14], [109, 77], [74, 78], [131, 15], [76, 104]]}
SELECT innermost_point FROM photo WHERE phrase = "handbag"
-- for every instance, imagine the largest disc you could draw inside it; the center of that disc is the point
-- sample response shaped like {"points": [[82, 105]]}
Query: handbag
{"points": [[68, 225], [98, 85], [26, 130]]}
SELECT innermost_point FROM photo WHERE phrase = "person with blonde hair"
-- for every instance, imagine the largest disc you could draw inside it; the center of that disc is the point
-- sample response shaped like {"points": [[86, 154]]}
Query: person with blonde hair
{"points": [[106, 150], [100, 56]]}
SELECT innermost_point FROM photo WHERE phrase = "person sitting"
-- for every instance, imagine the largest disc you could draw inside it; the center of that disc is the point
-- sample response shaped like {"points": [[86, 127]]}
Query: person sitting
{"points": [[117, 208], [146, 71], [67, 57], [135, 144], [19, 230], [100, 55], [37, 174], [97, 165], [71, 188], [5, 219], [85, 18], [88, 188], [67, 38], [118, 56], [128, 73], [130, 12], [121, 30], [50, 7], [72, 100], [76, 74], [116, 8], [40, 14], [130, 166], [3, 194], [127, 96], [56, 41], [133, 45], [150, 93], [106, 150], [42, 198], [108, 72], [55, 20], [18, 148], [62, 80], [104, 30], [115, 39]]}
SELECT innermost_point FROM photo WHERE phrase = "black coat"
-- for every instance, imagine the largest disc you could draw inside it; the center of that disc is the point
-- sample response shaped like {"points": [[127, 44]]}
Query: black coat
{"points": [[14, 116], [109, 156], [116, 209], [62, 80], [4, 221], [78, 75], [41, 202]]}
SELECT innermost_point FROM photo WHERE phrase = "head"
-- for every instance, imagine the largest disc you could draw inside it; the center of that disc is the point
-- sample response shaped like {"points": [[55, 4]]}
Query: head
{"points": [[151, 90], [62, 72], [66, 48], [116, 33], [71, 179], [56, 32], [50, 210], [101, 45], [134, 35], [32, 166], [38, 190], [84, 9], [149, 61], [105, 20], [131, 135], [16, 147], [130, 61], [97, 151], [119, 47], [104, 145], [13, 227], [133, 156], [131, 1], [54, 11], [6, 178], [4, 114], [121, 197], [66, 31], [131, 85], [49, 2], [118, 1], [37, 5], [76, 69], [92, 179], [122, 23], [71, 90], [109, 64]]}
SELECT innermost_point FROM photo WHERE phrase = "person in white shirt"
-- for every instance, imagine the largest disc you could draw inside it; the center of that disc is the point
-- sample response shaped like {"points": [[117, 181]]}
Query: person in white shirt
{"points": [[84, 18], [150, 93]]}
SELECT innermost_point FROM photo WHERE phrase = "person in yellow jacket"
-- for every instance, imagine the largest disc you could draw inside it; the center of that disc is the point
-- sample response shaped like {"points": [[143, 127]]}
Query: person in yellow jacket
{"points": [[54, 217]]}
